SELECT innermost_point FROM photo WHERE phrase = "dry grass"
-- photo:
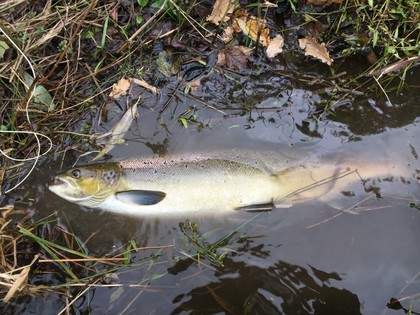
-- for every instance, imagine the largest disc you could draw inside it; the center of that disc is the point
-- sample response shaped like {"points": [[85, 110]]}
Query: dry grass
{"points": [[13, 279], [58, 252]]}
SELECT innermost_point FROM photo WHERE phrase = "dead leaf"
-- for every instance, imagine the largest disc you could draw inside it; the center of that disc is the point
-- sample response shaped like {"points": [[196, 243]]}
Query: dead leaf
{"points": [[195, 84], [393, 67], [275, 47], [3, 48], [120, 88], [41, 97], [227, 35], [123, 86], [314, 49], [246, 50], [145, 85], [168, 63], [371, 57], [254, 27], [234, 58], [118, 131], [267, 4], [240, 14], [220, 11], [114, 13]]}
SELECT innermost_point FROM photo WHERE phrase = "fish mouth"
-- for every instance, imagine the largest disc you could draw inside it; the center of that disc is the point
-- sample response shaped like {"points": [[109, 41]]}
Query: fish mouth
{"points": [[57, 181], [58, 184], [67, 189]]}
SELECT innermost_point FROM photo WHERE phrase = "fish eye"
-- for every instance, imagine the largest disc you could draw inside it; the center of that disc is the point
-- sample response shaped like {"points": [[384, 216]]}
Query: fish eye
{"points": [[76, 173]]}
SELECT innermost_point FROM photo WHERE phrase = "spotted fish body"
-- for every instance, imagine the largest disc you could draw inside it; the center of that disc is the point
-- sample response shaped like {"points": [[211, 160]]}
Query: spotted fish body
{"points": [[203, 184], [189, 183]]}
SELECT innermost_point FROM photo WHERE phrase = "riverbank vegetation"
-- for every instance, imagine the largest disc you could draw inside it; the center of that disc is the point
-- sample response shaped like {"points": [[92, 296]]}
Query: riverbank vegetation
{"points": [[62, 62]]}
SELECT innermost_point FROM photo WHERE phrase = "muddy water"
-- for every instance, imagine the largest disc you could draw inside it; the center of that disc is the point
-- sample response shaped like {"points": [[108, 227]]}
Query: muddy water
{"points": [[308, 259]]}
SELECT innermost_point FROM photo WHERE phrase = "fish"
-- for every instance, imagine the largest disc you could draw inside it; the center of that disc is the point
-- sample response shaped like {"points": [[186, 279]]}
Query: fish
{"points": [[211, 183]]}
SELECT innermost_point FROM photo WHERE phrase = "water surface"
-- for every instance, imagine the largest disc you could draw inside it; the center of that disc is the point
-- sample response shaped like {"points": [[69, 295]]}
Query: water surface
{"points": [[308, 259]]}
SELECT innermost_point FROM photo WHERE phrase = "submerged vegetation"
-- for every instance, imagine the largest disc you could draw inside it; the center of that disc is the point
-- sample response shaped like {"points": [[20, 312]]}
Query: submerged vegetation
{"points": [[62, 62], [45, 258]]}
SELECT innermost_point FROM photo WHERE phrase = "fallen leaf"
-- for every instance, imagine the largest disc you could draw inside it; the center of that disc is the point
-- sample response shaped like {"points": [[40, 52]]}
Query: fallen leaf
{"points": [[145, 85], [227, 35], [168, 63], [314, 49], [3, 48], [118, 131], [393, 67], [234, 58], [371, 57], [114, 13], [267, 4], [275, 47], [120, 88], [220, 11], [40, 94], [240, 14], [254, 28], [195, 84]]}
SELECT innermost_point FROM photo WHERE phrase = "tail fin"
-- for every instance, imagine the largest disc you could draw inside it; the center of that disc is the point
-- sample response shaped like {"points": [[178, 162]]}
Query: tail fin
{"points": [[328, 181]]}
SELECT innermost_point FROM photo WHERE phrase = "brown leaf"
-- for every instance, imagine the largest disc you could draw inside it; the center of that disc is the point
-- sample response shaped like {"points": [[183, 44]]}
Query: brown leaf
{"points": [[371, 57], [195, 84], [227, 35], [114, 13], [252, 27], [220, 11], [267, 4], [234, 58], [120, 88], [275, 47], [145, 85], [118, 131], [393, 67], [314, 49]]}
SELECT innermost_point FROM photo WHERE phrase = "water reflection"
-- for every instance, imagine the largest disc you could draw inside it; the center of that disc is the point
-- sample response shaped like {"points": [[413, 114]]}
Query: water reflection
{"points": [[283, 288]]}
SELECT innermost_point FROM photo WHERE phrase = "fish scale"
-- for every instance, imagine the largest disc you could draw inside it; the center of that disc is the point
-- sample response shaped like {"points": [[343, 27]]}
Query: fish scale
{"points": [[222, 184]]}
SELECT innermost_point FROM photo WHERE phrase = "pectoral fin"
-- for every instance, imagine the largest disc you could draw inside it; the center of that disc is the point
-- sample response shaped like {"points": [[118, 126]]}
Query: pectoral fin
{"points": [[141, 197]]}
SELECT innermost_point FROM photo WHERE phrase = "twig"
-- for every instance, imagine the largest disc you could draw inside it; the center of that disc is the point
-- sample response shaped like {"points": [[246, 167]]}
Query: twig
{"points": [[136, 33], [77, 297]]}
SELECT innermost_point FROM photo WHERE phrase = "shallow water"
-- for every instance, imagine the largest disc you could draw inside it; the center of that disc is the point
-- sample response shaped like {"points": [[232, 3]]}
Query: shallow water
{"points": [[308, 259]]}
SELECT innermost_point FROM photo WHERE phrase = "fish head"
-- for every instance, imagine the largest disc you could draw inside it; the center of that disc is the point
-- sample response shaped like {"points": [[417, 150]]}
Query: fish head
{"points": [[88, 185]]}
